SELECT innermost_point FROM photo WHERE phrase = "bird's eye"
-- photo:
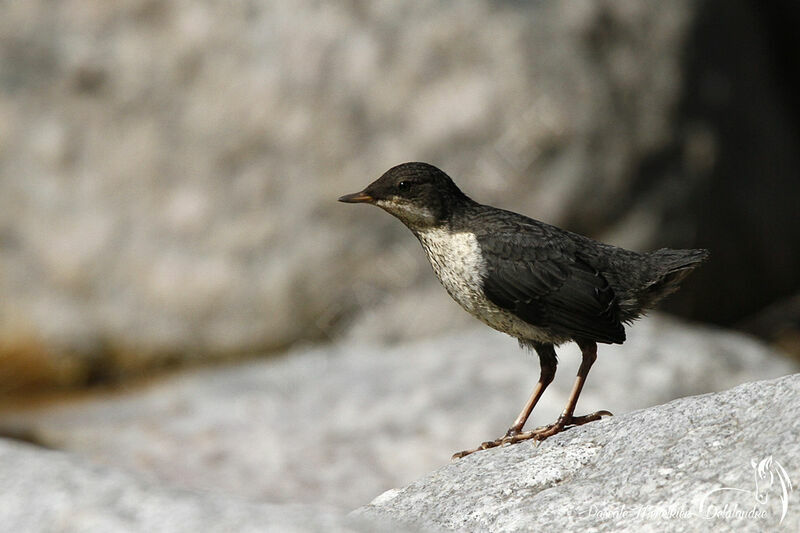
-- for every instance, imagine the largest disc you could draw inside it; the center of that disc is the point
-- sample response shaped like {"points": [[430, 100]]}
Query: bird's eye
{"points": [[404, 186]]}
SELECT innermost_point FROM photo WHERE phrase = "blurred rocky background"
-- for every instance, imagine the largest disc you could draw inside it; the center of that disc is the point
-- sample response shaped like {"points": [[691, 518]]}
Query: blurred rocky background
{"points": [[169, 171]]}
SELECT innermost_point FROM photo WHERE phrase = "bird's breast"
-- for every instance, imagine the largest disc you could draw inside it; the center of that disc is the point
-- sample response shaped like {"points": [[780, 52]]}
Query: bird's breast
{"points": [[458, 263]]}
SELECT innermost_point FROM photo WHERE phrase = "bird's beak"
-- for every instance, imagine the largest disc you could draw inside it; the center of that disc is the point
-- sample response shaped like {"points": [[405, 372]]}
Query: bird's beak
{"points": [[357, 198]]}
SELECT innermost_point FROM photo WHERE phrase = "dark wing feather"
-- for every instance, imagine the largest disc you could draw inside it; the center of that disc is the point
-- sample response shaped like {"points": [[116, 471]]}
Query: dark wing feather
{"points": [[545, 282]]}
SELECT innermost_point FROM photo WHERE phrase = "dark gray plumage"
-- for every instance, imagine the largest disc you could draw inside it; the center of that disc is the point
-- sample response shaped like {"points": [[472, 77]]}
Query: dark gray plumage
{"points": [[566, 283], [536, 282]]}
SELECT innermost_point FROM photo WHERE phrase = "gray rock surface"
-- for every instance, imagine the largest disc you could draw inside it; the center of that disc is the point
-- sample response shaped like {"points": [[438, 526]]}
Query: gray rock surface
{"points": [[46, 491], [168, 170], [683, 466], [339, 424]]}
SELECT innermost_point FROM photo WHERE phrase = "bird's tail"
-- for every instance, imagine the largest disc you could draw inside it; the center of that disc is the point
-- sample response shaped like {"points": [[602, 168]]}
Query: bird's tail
{"points": [[669, 268]]}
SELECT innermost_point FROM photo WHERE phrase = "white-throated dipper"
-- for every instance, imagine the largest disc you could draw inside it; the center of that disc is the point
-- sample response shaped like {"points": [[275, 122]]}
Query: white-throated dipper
{"points": [[536, 282]]}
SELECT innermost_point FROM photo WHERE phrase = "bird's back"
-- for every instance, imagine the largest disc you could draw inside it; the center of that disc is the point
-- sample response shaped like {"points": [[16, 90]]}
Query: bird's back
{"points": [[580, 286]]}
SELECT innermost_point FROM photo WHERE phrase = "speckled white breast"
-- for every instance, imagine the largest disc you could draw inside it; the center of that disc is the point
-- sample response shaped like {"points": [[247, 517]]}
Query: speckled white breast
{"points": [[456, 259], [458, 263]]}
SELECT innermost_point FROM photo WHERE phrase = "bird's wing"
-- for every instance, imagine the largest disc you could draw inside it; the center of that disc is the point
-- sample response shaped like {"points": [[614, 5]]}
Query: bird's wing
{"points": [[545, 282]]}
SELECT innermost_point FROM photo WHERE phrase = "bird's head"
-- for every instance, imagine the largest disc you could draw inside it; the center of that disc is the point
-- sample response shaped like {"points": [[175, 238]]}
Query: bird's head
{"points": [[419, 194]]}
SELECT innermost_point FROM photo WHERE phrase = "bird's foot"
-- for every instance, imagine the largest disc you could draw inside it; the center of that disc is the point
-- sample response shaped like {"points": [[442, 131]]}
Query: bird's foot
{"points": [[511, 436], [484, 446], [514, 436], [566, 422]]}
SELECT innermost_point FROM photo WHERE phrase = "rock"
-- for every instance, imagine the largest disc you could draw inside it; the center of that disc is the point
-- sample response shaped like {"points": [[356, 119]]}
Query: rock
{"points": [[339, 424], [168, 170], [45, 491], [694, 464]]}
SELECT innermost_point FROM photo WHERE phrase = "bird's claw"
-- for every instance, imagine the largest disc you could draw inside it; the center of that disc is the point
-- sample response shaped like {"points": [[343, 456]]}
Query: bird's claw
{"points": [[514, 436], [566, 422], [508, 438]]}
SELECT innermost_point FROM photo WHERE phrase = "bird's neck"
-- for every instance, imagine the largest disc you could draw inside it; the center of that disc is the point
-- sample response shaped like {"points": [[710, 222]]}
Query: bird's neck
{"points": [[438, 216]]}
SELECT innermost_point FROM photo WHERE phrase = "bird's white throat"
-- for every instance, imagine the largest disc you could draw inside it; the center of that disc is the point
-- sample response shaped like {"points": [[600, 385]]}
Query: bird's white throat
{"points": [[413, 215]]}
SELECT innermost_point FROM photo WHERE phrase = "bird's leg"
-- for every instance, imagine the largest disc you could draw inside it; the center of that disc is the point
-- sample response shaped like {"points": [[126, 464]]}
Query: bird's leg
{"points": [[548, 363], [567, 418]]}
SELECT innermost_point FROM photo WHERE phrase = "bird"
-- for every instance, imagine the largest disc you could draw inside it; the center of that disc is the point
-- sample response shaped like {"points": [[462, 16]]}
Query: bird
{"points": [[543, 285]]}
